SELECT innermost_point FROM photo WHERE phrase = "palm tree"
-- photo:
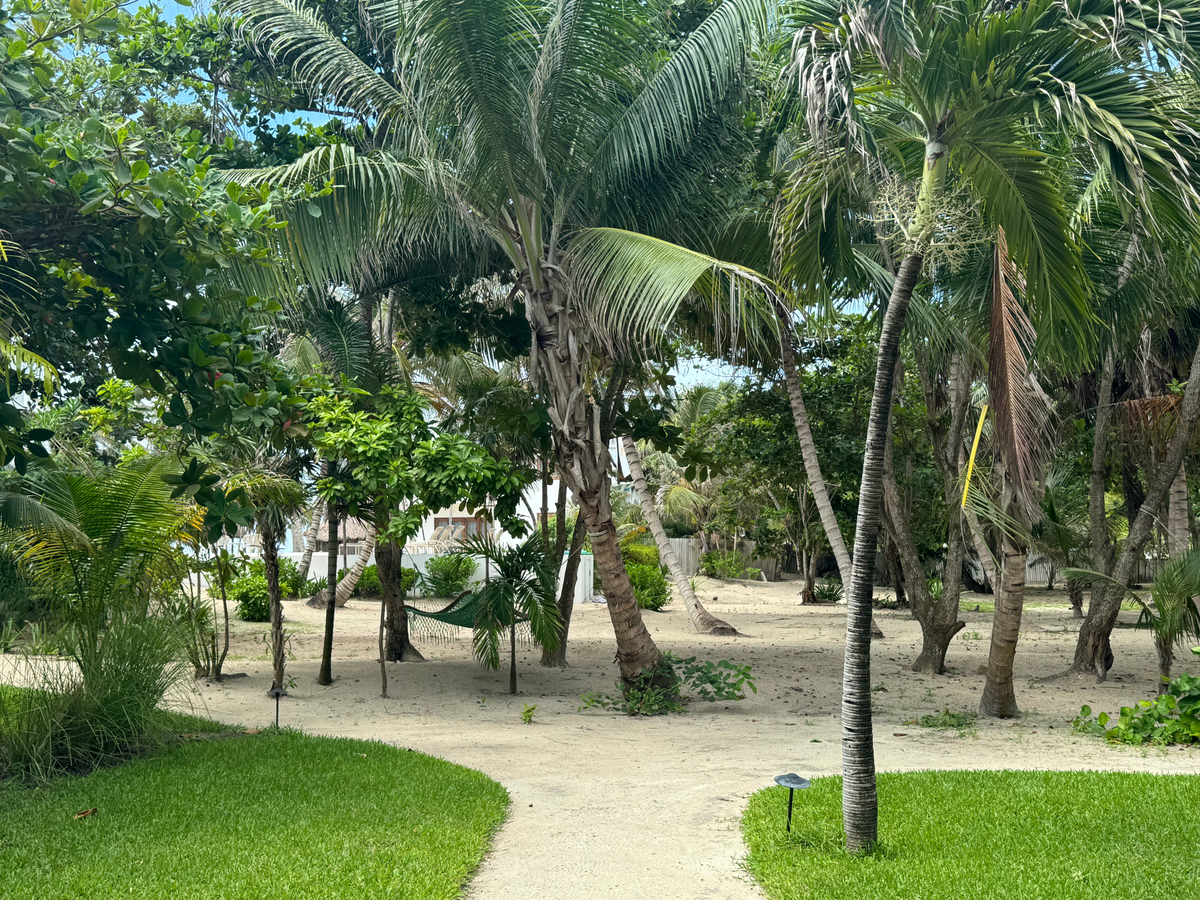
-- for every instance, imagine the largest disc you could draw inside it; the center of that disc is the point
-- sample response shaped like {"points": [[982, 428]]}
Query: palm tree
{"points": [[104, 543], [519, 588], [958, 95], [702, 620], [532, 124], [277, 498]]}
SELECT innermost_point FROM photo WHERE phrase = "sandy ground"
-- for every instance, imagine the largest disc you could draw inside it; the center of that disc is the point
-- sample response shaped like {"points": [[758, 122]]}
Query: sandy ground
{"points": [[609, 806]]}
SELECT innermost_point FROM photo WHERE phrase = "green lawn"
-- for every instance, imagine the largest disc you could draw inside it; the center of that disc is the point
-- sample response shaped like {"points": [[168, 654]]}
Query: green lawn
{"points": [[986, 835], [277, 814]]}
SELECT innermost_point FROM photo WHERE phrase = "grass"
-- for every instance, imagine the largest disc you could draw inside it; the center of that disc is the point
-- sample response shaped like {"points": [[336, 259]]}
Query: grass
{"points": [[277, 814], [995, 835]]}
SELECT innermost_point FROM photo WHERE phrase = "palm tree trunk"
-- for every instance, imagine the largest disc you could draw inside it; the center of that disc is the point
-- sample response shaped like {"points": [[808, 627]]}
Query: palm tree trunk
{"points": [[703, 621], [635, 648], [583, 430], [1093, 652], [270, 553], [860, 802], [325, 675], [1075, 596], [1177, 515], [566, 598], [350, 579], [982, 550], [1098, 480], [512, 664], [999, 698], [310, 541], [808, 448]]}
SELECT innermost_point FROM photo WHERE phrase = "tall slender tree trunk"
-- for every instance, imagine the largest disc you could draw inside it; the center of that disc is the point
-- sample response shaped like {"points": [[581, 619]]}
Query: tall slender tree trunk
{"points": [[1177, 515], [860, 802], [702, 620], [808, 448], [1093, 652], [566, 597], [310, 541], [270, 553], [325, 675], [1098, 480], [999, 696]]}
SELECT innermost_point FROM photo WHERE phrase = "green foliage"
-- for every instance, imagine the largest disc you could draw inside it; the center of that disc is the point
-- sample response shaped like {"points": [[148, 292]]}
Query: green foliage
{"points": [[252, 597], [16, 594], [521, 587], [712, 681], [69, 722], [447, 575], [649, 585], [418, 821], [314, 586], [1171, 718], [640, 555], [368, 583], [947, 719], [656, 691], [726, 564], [1007, 835], [527, 713], [291, 580], [827, 591]]}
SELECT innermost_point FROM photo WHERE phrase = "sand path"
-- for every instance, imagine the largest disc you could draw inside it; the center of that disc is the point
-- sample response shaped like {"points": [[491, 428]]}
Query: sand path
{"points": [[607, 806]]}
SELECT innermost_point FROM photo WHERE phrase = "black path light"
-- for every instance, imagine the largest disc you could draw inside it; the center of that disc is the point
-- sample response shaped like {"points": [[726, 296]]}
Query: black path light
{"points": [[278, 692], [793, 783]]}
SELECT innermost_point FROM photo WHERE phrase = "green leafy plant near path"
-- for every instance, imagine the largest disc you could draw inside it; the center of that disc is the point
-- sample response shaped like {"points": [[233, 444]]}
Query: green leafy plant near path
{"points": [[365, 820], [711, 681], [1171, 718], [999, 835]]}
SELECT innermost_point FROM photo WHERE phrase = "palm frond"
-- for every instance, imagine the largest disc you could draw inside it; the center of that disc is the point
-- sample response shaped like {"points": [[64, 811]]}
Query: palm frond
{"points": [[634, 285], [1020, 408]]}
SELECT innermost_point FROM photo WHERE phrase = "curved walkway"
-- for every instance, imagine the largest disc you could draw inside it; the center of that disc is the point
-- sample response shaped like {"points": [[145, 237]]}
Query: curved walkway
{"points": [[604, 806]]}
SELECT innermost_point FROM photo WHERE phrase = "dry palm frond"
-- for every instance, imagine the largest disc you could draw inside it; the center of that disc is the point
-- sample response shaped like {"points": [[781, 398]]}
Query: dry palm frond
{"points": [[1021, 408]]}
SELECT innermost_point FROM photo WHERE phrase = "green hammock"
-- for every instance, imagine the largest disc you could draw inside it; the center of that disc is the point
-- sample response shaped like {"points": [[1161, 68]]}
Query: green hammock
{"points": [[444, 624]]}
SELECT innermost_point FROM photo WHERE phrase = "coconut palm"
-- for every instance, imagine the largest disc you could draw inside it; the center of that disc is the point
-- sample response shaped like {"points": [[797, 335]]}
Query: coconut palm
{"points": [[530, 127], [958, 95]]}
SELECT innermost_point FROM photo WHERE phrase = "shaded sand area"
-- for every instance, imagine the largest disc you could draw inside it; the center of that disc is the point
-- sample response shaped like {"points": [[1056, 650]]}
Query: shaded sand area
{"points": [[606, 806]]}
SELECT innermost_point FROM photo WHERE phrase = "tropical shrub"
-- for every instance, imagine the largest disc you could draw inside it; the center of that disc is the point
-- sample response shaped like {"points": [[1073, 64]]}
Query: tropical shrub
{"points": [[1171, 718], [314, 586], [408, 579], [656, 691], [368, 583], [640, 555], [827, 592], [447, 575], [726, 564], [69, 723], [291, 579], [252, 598], [649, 586], [16, 593]]}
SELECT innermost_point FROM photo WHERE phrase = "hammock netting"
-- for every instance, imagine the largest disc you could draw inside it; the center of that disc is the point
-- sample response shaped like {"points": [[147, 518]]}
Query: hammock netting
{"points": [[444, 624]]}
